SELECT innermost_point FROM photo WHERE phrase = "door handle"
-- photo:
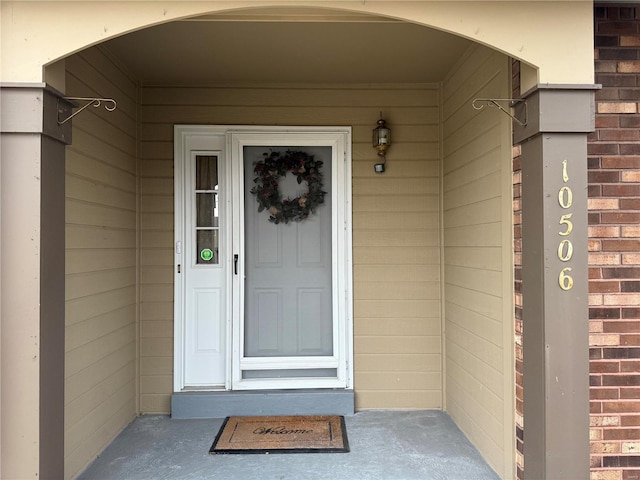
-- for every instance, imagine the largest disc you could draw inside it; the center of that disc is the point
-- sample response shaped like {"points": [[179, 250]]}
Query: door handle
{"points": [[235, 264]]}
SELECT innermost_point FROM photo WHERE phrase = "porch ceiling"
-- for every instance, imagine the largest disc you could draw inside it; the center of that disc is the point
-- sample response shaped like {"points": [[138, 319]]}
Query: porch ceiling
{"points": [[309, 47]]}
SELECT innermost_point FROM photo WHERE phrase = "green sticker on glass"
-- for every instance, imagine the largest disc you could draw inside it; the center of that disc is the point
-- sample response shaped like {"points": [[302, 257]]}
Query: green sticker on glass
{"points": [[206, 254]]}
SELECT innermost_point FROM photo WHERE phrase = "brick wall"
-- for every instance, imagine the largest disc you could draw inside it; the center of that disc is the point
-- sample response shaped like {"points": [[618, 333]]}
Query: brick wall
{"points": [[614, 247]]}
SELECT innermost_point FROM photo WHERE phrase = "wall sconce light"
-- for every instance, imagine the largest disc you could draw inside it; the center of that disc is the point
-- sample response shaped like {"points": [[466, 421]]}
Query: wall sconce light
{"points": [[381, 142]]}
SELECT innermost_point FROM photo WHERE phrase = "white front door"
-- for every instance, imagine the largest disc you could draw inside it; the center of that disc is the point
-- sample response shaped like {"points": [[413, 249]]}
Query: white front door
{"points": [[262, 300]]}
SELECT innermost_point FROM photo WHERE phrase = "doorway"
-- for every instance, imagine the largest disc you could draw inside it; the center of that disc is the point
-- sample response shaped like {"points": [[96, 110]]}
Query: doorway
{"points": [[263, 262]]}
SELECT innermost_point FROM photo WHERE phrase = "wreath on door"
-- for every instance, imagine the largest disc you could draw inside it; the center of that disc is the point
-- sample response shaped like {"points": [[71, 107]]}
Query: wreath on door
{"points": [[268, 172]]}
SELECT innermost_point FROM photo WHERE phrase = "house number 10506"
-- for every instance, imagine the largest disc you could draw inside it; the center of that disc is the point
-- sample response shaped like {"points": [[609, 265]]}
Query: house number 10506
{"points": [[565, 248]]}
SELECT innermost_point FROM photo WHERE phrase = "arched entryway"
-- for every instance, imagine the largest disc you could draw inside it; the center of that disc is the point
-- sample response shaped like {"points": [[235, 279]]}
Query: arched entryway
{"points": [[432, 287]]}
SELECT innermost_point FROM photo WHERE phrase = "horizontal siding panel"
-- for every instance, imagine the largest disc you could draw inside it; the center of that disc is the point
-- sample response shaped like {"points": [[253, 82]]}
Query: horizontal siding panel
{"points": [[299, 115], [484, 351], [84, 404], [483, 212], [466, 71], [396, 308], [479, 302], [99, 173], [124, 397], [481, 145], [156, 293], [290, 96], [156, 186], [416, 152], [157, 221], [158, 168], [492, 379], [156, 311], [156, 275], [457, 119], [398, 380], [482, 425], [156, 384], [405, 344], [486, 404], [92, 376], [156, 239], [487, 235], [95, 236], [94, 351], [156, 366], [423, 132], [88, 145], [109, 134], [395, 222], [414, 238], [106, 79], [483, 188], [157, 257], [78, 459], [396, 256], [390, 327], [157, 204], [156, 347], [89, 214], [84, 284], [122, 117], [476, 324], [485, 258], [78, 188], [395, 273], [97, 327], [427, 202], [84, 308], [485, 281], [400, 168], [93, 260], [156, 152], [395, 186], [155, 403], [399, 400], [394, 291], [473, 175], [157, 329], [373, 362]]}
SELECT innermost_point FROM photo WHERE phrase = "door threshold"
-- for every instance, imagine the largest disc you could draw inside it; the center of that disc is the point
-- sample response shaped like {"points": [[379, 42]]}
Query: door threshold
{"points": [[225, 403]]}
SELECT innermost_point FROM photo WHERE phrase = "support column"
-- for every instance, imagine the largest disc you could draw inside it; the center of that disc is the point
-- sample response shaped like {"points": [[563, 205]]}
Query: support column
{"points": [[32, 159], [554, 280]]}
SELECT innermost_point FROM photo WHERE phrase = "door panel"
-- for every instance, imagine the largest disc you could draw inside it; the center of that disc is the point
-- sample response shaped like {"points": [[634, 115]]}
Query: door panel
{"points": [[288, 294]]}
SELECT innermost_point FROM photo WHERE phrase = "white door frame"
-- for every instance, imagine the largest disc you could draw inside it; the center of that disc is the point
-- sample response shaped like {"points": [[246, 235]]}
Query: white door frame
{"points": [[339, 138]]}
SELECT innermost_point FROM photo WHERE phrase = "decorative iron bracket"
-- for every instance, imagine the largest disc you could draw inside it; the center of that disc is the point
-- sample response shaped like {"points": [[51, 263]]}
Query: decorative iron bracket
{"points": [[109, 105], [480, 103]]}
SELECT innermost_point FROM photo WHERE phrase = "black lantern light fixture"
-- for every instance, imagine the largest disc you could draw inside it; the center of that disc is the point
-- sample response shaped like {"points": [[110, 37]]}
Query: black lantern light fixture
{"points": [[381, 142]]}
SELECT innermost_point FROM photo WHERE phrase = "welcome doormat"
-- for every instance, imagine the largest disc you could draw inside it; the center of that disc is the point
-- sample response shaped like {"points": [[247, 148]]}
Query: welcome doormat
{"points": [[295, 434]]}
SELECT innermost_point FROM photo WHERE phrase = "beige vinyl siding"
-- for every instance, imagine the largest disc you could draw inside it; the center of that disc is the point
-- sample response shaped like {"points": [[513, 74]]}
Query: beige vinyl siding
{"points": [[101, 271], [477, 257], [395, 227]]}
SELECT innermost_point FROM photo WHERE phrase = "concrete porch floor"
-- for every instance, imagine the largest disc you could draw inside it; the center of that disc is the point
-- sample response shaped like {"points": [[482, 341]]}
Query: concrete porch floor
{"points": [[385, 445]]}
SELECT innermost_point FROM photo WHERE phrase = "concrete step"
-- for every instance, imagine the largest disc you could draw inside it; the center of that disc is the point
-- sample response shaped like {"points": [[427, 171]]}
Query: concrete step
{"points": [[221, 404]]}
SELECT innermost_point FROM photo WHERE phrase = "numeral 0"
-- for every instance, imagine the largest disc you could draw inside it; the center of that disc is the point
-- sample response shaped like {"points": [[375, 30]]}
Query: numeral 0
{"points": [[565, 197], [565, 257]]}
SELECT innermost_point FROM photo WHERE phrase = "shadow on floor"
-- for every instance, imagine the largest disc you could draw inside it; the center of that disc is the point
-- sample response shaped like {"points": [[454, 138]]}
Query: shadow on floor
{"points": [[385, 445]]}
